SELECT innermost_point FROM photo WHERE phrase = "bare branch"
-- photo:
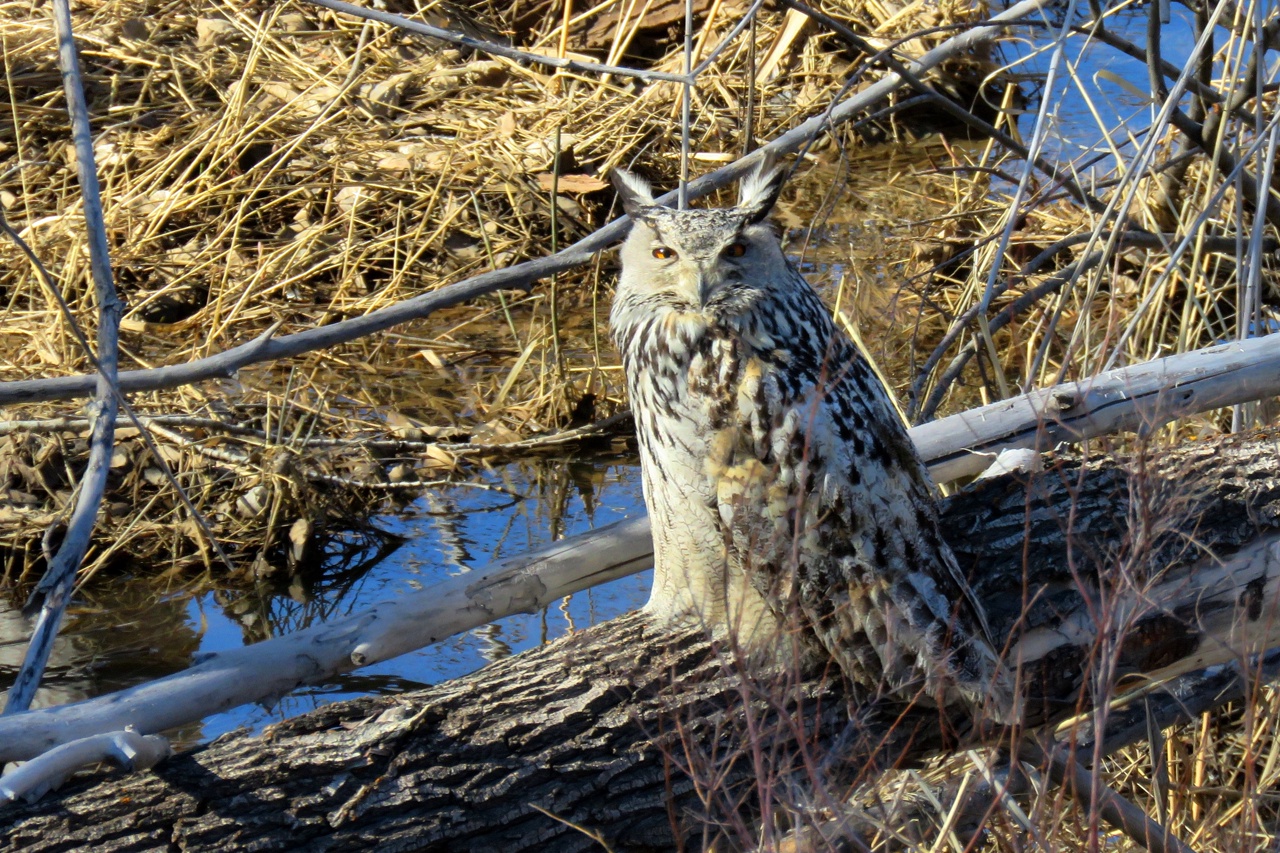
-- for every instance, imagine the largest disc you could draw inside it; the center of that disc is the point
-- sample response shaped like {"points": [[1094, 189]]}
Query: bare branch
{"points": [[1143, 398], [493, 48], [268, 670], [1088, 790], [945, 104], [37, 777], [53, 592]]}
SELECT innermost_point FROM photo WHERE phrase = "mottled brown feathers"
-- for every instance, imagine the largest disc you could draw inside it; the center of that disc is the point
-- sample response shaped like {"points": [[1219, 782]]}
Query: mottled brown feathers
{"points": [[785, 494]]}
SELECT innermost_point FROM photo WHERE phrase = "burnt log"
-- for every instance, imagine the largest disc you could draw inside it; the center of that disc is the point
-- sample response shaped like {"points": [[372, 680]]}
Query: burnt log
{"points": [[641, 737]]}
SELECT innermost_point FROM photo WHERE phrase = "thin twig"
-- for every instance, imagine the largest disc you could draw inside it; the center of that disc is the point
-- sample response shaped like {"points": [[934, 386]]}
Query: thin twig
{"points": [[42, 272], [1067, 770], [493, 48], [747, 19], [162, 425], [944, 103], [686, 106], [53, 592], [1024, 302]]}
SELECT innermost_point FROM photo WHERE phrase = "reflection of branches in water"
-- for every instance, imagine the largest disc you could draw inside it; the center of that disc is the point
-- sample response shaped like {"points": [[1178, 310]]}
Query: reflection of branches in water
{"points": [[493, 647], [453, 543], [548, 486], [115, 636], [549, 514], [329, 583], [428, 487], [333, 582], [552, 485]]}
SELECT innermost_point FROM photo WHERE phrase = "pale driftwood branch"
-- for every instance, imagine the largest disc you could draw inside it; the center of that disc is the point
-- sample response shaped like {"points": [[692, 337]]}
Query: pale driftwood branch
{"points": [[1063, 278], [521, 275], [1140, 398], [268, 670], [53, 592], [127, 748]]}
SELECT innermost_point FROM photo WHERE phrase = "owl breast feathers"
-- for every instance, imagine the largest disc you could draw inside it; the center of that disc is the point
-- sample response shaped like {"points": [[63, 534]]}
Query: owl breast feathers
{"points": [[785, 493]]}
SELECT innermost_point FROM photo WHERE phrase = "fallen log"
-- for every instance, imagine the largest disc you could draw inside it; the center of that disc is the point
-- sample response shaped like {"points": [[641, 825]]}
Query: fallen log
{"points": [[638, 736]]}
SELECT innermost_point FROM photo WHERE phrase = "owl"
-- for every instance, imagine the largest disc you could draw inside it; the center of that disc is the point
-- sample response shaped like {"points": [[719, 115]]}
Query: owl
{"points": [[785, 495]]}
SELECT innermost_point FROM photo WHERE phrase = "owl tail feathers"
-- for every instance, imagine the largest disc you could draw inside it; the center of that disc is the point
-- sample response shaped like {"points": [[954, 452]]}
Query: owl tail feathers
{"points": [[991, 691], [995, 701]]}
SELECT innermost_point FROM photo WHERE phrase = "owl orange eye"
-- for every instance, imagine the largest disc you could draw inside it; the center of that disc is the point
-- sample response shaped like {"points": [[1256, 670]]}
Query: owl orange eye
{"points": [[736, 250], [662, 253]]}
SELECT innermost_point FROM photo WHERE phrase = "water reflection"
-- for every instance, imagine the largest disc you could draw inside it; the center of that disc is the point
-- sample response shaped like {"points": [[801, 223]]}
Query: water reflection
{"points": [[1100, 102], [114, 637], [450, 531], [124, 633]]}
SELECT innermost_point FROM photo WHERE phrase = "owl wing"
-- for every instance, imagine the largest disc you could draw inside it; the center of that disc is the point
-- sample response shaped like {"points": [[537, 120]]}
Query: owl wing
{"points": [[829, 513]]}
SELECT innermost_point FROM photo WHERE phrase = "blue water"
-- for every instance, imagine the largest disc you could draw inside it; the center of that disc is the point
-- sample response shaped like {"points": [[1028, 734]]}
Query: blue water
{"points": [[449, 532], [1099, 101], [134, 636]]}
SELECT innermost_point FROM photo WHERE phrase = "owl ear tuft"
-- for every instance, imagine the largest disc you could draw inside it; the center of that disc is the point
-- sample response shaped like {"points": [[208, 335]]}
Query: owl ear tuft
{"points": [[633, 192], [759, 190]]}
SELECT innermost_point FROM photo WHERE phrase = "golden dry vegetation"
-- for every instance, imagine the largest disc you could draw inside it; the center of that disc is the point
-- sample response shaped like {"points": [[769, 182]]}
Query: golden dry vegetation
{"points": [[272, 163]]}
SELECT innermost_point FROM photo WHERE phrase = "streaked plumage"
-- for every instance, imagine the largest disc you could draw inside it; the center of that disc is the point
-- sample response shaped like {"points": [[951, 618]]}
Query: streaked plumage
{"points": [[783, 489]]}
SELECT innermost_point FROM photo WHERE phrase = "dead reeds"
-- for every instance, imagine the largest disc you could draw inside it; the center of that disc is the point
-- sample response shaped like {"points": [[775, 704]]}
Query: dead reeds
{"points": [[268, 163], [282, 166]]}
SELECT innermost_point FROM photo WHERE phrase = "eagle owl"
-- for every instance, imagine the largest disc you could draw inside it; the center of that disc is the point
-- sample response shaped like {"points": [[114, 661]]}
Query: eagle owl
{"points": [[785, 495]]}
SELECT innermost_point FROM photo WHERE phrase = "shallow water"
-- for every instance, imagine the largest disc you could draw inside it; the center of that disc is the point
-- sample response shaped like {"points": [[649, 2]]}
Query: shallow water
{"points": [[134, 636], [450, 532], [1100, 96]]}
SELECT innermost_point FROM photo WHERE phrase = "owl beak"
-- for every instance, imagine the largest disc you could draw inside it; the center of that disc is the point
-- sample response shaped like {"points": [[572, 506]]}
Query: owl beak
{"points": [[710, 286], [706, 290]]}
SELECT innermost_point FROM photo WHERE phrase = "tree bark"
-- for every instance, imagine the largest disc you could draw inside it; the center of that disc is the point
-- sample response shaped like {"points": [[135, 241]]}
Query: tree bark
{"points": [[639, 736]]}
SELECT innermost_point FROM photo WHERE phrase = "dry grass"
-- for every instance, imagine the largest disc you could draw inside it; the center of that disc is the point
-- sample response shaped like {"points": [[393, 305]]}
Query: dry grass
{"points": [[266, 162]]}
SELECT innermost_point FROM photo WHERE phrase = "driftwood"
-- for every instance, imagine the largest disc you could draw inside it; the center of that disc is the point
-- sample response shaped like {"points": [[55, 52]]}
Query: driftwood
{"points": [[1140, 398], [265, 671], [1165, 564]]}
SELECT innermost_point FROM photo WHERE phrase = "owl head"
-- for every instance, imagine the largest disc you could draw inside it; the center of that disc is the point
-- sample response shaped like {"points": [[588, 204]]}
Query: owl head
{"points": [[713, 261]]}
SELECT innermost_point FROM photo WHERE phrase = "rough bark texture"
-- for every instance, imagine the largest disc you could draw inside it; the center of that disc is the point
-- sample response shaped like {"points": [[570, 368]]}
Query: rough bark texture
{"points": [[620, 729]]}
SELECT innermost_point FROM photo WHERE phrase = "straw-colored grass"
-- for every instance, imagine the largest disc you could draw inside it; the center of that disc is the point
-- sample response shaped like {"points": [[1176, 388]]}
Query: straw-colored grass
{"points": [[280, 163], [274, 162]]}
